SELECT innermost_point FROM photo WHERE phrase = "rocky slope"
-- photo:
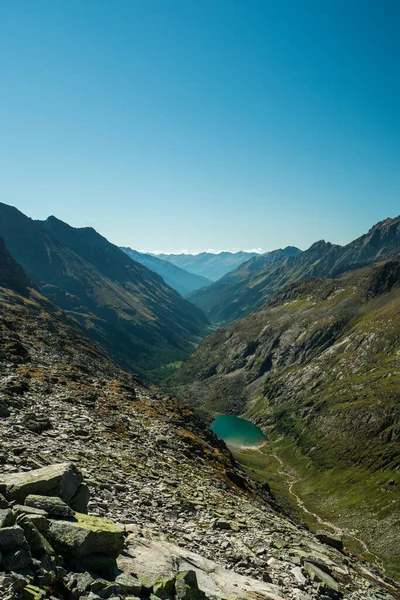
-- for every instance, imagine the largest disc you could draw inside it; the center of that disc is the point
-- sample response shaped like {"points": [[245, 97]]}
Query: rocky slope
{"points": [[244, 290], [319, 364], [179, 279], [207, 264], [141, 322], [150, 465]]}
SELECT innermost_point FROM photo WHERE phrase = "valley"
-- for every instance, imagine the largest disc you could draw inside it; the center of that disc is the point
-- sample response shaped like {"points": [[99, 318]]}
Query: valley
{"points": [[302, 502], [317, 368]]}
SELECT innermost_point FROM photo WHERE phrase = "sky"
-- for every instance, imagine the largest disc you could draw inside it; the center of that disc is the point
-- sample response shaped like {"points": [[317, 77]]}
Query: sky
{"points": [[198, 124]]}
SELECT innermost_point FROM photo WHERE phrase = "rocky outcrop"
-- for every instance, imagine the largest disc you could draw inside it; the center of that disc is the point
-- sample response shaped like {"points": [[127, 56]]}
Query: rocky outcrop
{"points": [[60, 479]]}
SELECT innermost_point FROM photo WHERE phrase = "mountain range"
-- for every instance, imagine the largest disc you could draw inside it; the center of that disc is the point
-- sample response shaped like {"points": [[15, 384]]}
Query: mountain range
{"points": [[211, 265], [250, 285], [179, 279], [130, 311], [317, 366], [111, 489]]}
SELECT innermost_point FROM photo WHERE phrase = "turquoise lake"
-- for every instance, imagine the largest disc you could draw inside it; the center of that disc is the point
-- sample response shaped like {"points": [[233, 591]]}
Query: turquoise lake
{"points": [[237, 432]]}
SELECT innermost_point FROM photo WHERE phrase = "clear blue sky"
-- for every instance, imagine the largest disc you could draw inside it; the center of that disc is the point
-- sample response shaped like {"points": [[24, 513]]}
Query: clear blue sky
{"points": [[196, 124]]}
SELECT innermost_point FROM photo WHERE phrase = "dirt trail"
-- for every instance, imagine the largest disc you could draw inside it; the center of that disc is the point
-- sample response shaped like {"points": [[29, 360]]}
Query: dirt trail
{"points": [[291, 481]]}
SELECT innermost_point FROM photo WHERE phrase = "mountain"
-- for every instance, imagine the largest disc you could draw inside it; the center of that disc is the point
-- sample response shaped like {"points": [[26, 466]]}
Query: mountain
{"points": [[209, 265], [179, 279], [12, 274], [164, 497], [248, 287], [318, 368], [144, 324]]}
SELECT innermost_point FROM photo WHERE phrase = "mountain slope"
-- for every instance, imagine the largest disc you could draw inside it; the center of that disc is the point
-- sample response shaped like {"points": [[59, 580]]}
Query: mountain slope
{"points": [[209, 265], [246, 289], [179, 279], [150, 463], [128, 309], [12, 274], [319, 364]]}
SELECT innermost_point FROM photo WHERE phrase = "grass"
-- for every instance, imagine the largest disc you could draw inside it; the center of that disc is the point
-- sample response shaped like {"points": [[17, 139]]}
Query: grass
{"points": [[344, 497]]}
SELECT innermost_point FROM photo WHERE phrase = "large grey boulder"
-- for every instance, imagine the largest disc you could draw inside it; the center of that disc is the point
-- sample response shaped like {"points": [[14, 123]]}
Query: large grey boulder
{"points": [[84, 535], [11, 537], [62, 480]]}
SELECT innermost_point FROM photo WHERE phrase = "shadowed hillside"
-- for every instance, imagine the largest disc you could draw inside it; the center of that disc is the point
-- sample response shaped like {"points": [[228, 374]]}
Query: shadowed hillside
{"points": [[144, 324]]}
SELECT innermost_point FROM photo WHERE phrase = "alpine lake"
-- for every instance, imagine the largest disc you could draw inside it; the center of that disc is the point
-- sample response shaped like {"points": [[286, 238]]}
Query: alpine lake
{"points": [[237, 432]]}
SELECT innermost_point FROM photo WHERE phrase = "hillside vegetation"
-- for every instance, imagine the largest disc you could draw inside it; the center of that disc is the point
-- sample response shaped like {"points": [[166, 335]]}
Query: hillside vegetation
{"points": [[318, 367]]}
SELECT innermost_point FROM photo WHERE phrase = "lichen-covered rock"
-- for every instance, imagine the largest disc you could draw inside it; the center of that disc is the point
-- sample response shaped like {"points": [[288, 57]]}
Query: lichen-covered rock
{"points": [[31, 592], [84, 535], [52, 505], [62, 480], [129, 584], [186, 586], [164, 588], [37, 541]]}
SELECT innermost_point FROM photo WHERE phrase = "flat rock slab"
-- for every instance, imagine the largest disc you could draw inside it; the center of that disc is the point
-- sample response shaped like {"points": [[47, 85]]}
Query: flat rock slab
{"points": [[83, 535], [62, 480], [50, 504], [153, 559]]}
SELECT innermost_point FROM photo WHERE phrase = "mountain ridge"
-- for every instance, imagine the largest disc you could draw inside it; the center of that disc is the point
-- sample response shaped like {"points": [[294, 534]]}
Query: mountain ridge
{"points": [[170, 487], [142, 322], [179, 279], [240, 292], [211, 265], [317, 367]]}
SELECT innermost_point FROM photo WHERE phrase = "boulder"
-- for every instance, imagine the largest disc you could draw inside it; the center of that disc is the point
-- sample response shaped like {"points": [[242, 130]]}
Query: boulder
{"points": [[315, 572], [37, 542], [164, 588], [84, 535], [31, 592], [62, 480], [6, 517], [17, 558], [11, 537], [101, 564], [52, 505], [130, 585], [80, 500], [329, 539], [186, 586]]}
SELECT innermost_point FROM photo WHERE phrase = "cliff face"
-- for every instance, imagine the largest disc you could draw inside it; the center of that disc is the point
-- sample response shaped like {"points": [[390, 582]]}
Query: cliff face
{"points": [[149, 464], [320, 365]]}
